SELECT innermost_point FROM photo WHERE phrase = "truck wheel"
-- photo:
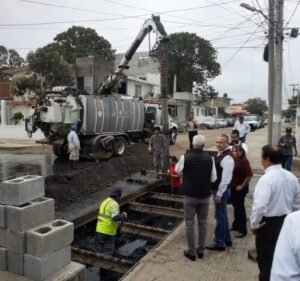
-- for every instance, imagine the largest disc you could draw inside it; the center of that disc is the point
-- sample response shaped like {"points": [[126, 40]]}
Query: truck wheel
{"points": [[59, 150], [119, 146], [173, 136]]}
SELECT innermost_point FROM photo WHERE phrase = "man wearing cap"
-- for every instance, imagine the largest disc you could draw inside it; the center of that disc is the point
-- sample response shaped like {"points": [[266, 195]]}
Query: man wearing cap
{"points": [[286, 144], [74, 145], [242, 127], [109, 218], [198, 170]]}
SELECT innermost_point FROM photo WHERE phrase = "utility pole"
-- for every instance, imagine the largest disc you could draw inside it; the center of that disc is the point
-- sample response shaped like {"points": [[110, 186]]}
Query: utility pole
{"points": [[164, 89], [271, 73], [277, 106]]}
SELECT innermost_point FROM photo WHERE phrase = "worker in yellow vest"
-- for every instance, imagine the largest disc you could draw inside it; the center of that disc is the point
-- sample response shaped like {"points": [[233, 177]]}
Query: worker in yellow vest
{"points": [[109, 218]]}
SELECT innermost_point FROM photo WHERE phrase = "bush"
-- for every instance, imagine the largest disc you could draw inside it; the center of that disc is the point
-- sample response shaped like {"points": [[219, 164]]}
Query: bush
{"points": [[17, 117]]}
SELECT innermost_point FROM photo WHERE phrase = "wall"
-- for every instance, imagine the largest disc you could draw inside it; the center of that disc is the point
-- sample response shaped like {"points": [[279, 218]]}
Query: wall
{"points": [[18, 132]]}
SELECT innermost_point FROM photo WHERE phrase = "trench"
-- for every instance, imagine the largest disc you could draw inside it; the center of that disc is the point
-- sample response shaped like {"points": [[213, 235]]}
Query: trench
{"points": [[152, 215]]}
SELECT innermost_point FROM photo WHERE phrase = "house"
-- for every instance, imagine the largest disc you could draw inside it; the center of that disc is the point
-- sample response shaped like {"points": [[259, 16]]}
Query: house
{"points": [[236, 109], [217, 107]]}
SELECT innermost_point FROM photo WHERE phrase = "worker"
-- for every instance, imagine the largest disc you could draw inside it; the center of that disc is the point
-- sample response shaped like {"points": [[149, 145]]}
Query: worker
{"points": [[74, 146], [109, 218]]}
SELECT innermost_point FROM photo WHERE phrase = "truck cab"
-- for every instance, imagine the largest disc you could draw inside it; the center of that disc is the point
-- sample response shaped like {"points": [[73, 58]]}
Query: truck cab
{"points": [[155, 110]]}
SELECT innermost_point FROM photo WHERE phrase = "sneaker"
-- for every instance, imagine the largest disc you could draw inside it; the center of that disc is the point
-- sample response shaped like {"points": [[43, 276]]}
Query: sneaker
{"points": [[200, 255], [215, 247], [228, 243], [188, 255], [241, 235]]}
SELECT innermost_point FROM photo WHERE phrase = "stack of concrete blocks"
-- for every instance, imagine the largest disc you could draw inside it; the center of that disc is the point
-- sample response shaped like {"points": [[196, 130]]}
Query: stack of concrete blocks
{"points": [[32, 243]]}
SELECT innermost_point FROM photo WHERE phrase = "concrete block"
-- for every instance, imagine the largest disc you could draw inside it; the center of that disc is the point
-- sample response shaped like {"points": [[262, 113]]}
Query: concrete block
{"points": [[71, 272], [15, 262], [39, 269], [3, 237], [24, 217], [49, 237], [16, 241], [3, 259], [2, 216], [22, 190]]}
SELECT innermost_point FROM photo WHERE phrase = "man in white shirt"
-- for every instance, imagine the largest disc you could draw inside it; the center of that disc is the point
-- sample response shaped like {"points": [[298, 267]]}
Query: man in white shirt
{"points": [[286, 262], [242, 127], [74, 146], [277, 193], [224, 166], [198, 170]]}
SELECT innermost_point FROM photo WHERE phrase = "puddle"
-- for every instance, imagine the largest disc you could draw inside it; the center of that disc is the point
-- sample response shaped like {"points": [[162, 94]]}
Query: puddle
{"points": [[16, 165], [129, 248]]}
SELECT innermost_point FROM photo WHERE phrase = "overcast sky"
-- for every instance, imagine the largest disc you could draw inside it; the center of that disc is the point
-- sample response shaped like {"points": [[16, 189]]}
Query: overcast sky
{"points": [[238, 34]]}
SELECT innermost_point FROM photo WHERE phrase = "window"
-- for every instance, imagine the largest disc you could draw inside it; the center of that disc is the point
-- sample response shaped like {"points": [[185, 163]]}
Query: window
{"points": [[137, 90], [80, 83], [197, 112]]}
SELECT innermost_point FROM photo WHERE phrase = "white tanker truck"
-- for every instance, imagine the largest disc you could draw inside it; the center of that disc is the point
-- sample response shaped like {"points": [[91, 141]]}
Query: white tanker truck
{"points": [[106, 121]]}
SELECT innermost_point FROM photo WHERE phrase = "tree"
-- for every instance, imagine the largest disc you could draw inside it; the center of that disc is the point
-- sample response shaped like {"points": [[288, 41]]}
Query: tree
{"points": [[256, 106], [79, 41], [50, 66], [10, 58], [192, 59], [204, 92], [291, 111], [30, 85]]}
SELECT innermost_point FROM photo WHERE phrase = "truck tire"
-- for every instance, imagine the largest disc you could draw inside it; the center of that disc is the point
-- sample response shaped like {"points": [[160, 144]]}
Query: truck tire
{"points": [[60, 151], [173, 136], [119, 146]]}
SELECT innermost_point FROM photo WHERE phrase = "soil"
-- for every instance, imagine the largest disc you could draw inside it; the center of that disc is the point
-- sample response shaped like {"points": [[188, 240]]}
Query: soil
{"points": [[90, 177]]}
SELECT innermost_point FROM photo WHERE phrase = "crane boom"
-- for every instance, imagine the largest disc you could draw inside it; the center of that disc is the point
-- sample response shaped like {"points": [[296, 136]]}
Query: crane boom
{"points": [[153, 24]]}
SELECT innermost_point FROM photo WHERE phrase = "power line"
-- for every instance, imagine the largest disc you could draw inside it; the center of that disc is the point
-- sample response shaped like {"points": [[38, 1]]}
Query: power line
{"points": [[237, 51], [293, 13]]}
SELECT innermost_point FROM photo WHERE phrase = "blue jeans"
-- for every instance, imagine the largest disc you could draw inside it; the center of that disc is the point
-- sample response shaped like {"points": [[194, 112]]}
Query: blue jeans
{"points": [[222, 233], [243, 139], [286, 161]]}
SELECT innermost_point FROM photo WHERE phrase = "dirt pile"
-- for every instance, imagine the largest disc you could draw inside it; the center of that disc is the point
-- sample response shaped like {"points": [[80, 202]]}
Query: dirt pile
{"points": [[78, 184]]}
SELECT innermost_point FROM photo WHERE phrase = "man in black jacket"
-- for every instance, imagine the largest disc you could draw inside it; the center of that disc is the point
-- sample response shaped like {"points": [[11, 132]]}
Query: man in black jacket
{"points": [[198, 170]]}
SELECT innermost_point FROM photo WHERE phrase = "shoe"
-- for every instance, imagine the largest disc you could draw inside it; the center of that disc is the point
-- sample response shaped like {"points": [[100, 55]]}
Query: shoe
{"points": [[233, 229], [228, 243], [241, 235], [215, 247], [200, 255], [188, 255]]}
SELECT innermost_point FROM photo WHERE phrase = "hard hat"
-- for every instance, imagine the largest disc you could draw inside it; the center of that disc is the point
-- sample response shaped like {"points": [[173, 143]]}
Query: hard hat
{"points": [[73, 126], [116, 191]]}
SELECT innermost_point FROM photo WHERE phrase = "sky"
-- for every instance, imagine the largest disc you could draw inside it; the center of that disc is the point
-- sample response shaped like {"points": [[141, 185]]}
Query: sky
{"points": [[238, 35]]}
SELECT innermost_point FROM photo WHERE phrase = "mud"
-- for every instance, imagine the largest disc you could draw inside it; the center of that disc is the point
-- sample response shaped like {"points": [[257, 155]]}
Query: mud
{"points": [[89, 177]]}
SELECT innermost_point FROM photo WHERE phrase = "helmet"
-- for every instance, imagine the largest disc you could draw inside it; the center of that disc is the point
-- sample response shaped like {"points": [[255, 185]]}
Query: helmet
{"points": [[116, 191], [74, 126]]}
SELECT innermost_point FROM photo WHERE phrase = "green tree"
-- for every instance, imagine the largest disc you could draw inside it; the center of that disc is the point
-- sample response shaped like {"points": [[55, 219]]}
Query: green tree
{"points": [[50, 66], [192, 59], [79, 41], [256, 106], [30, 85], [204, 92]]}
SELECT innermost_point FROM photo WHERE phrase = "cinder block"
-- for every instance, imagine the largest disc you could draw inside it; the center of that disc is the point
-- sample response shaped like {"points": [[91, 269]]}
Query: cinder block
{"points": [[24, 217], [3, 237], [16, 241], [49, 237], [15, 262], [39, 269], [2, 216], [3, 259], [22, 190]]}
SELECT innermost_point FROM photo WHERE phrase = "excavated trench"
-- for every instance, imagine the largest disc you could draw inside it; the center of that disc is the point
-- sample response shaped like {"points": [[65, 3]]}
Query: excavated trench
{"points": [[151, 216]]}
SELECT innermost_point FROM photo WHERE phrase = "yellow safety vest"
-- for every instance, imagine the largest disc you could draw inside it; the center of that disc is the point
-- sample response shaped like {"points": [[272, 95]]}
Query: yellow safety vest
{"points": [[105, 224]]}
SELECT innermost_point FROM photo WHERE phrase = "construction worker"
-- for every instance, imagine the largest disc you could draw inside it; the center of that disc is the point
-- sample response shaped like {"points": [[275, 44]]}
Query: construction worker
{"points": [[108, 220]]}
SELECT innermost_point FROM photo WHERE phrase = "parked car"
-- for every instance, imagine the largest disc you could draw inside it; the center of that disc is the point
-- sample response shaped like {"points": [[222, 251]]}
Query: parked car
{"points": [[253, 122], [266, 122], [209, 122], [222, 123], [230, 121]]}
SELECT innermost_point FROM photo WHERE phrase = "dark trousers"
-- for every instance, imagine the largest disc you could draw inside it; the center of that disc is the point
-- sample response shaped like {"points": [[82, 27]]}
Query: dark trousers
{"points": [[238, 203], [191, 135], [105, 244], [265, 241], [286, 161]]}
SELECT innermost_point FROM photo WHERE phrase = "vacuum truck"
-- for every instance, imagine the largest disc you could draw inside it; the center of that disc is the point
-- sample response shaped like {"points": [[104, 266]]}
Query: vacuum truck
{"points": [[106, 121]]}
